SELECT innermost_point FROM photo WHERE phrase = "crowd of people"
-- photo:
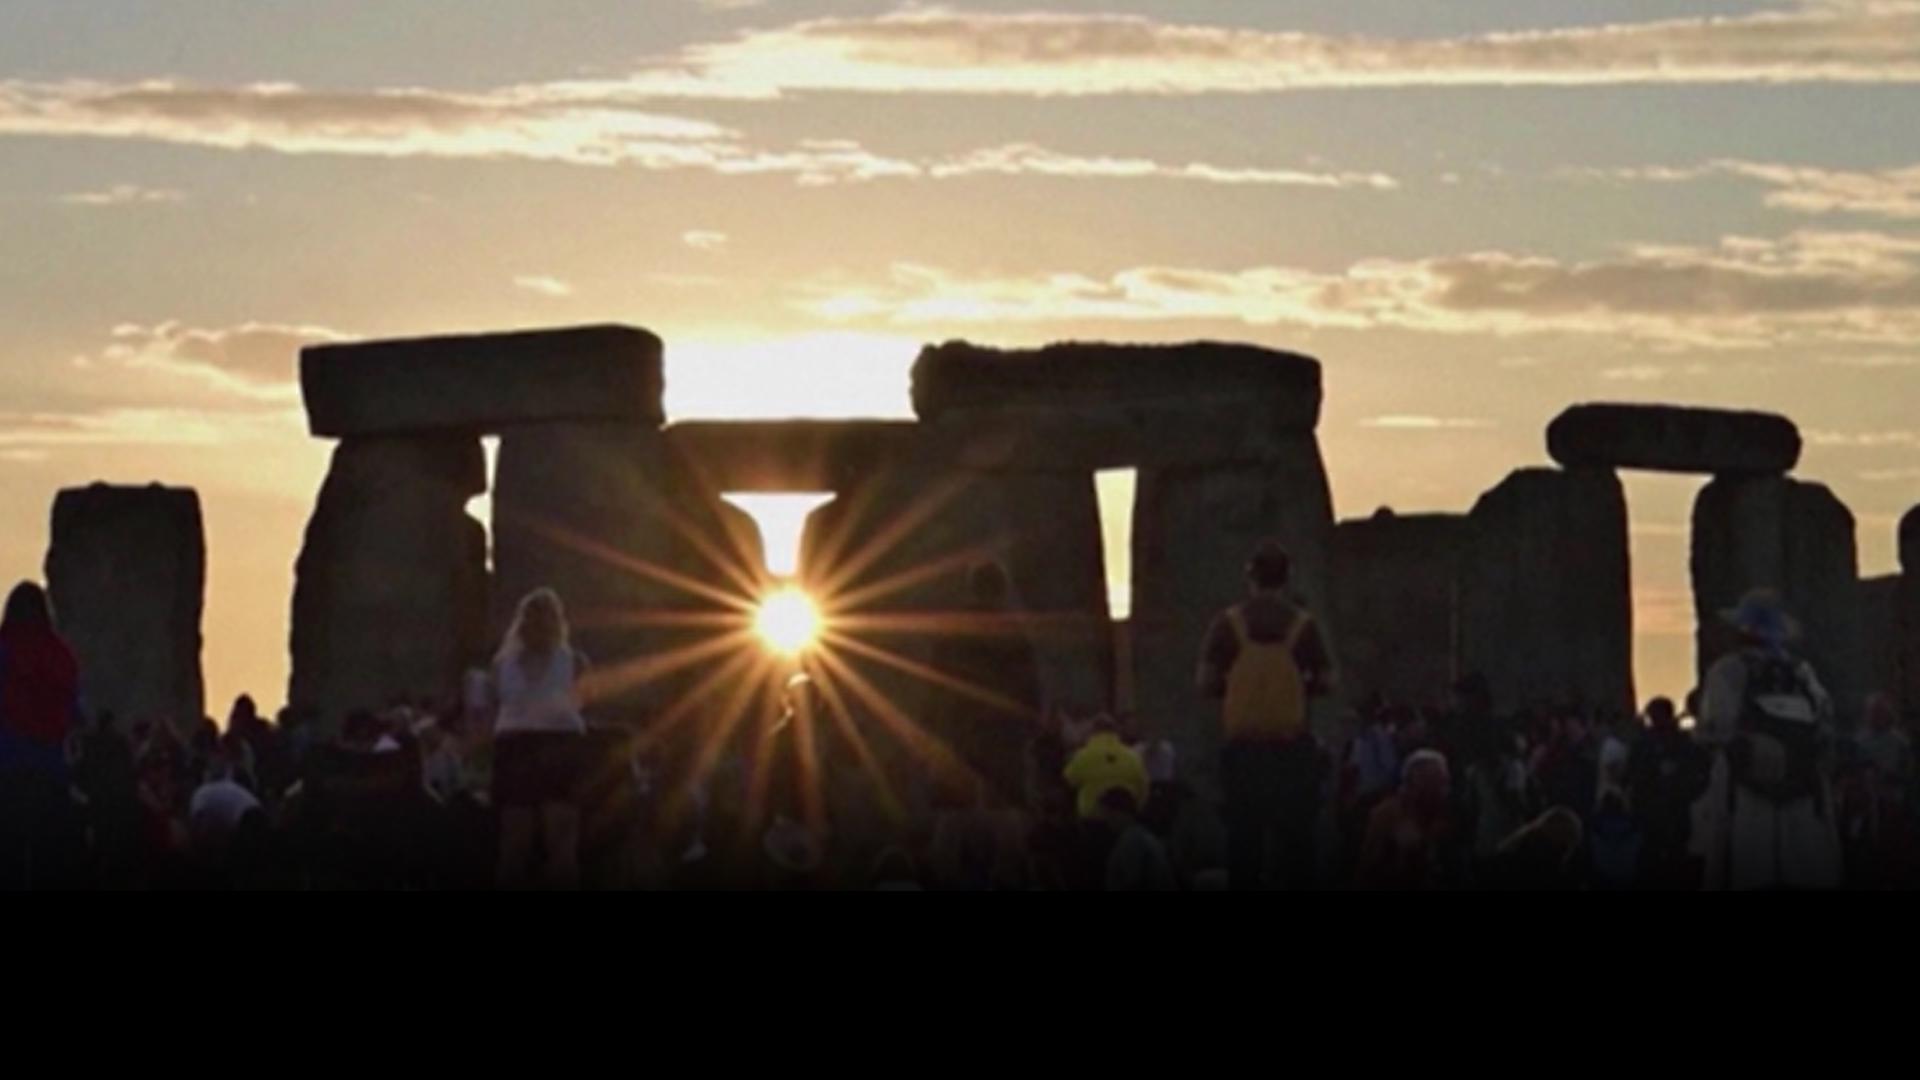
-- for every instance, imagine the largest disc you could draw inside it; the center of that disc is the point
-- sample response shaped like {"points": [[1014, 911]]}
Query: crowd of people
{"points": [[1754, 783]]}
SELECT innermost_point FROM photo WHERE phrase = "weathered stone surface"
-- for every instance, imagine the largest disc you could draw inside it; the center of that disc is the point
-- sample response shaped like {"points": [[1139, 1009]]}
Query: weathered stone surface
{"points": [[1797, 538], [1546, 612], [1670, 438], [1910, 541], [1880, 632], [126, 573], [1393, 586], [1193, 529], [1123, 383], [1906, 626], [483, 382], [649, 564], [790, 455], [391, 592]]}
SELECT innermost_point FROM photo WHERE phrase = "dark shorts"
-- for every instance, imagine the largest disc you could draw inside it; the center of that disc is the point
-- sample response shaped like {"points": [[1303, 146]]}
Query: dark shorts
{"points": [[533, 769]]}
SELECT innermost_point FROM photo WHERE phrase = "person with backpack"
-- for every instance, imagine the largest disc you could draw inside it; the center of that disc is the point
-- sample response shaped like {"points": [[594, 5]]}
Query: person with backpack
{"points": [[1264, 659], [1767, 820]]}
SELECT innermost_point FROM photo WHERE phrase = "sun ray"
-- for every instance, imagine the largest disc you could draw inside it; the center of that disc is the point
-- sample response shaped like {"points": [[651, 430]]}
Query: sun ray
{"points": [[891, 534], [935, 753], [686, 620], [626, 561], [931, 674], [908, 578], [733, 712], [862, 750], [743, 569], [684, 706], [602, 682]]}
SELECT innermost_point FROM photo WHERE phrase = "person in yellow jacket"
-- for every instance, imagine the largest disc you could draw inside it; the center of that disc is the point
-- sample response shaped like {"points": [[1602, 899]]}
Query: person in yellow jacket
{"points": [[1103, 764], [1264, 659]]}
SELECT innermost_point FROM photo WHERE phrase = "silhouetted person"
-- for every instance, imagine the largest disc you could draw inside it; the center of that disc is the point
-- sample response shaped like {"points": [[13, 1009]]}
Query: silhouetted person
{"points": [[537, 738], [1138, 861], [1412, 843], [108, 777], [1540, 857], [39, 703], [1666, 774], [1264, 659], [1886, 771], [1769, 819], [988, 728]]}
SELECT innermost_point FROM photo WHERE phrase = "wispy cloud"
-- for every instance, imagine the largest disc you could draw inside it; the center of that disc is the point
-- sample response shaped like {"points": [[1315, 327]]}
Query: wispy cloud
{"points": [[545, 286], [123, 195], [254, 361], [1026, 159], [704, 239], [1425, 423], [1862, 439], [941, 50], [1743, 292], [1805, 189]]}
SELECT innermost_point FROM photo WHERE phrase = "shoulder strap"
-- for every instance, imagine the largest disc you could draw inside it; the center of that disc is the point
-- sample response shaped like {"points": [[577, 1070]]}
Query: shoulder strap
{"points": [[1298, 627]]}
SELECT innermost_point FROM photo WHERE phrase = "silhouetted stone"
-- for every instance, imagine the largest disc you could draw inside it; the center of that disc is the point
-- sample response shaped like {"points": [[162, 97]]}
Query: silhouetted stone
{"points": [[126, 573], [1794, 537], [1194, 528], [645, 560], [1670, 438], [1880, 631], [482, 382], [391, 591], [790, 455], [1119, 386], [1546, 612], [1910, 541], [1393, 584]]}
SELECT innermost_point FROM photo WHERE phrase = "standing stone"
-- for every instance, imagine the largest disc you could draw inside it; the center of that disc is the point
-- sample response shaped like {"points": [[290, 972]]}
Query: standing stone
{"points": [[648, 563], [1907, 616], [1194, 527], [1546, 611], [390, 599], [126, 573], [1394, 584], [1880, 621], [1796, 538], [482, 382], [1669, 438]]}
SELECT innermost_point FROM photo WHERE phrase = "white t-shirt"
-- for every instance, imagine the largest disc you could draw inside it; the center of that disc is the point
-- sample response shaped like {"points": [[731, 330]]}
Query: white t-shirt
{"points": [[546, 700], [216, 810]]}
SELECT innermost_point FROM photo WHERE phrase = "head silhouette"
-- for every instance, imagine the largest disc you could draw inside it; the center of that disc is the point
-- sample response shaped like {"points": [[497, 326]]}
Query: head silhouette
{"points": [[539, 625], [1269, 568], [27, 609], [989, 586]]}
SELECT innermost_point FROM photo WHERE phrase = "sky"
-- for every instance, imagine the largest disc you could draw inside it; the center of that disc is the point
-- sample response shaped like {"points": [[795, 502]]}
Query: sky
{"points": [[1473, 214]]}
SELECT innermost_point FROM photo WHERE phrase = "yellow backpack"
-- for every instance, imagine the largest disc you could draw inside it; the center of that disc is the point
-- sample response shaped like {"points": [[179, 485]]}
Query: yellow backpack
{"points": [[1266, 694]]}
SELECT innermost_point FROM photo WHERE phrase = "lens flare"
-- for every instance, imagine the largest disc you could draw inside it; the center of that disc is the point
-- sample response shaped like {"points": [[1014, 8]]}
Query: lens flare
{"points": [[788, 621]]}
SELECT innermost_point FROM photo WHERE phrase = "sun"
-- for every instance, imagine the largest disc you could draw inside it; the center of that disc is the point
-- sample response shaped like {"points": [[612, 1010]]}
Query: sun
{"points": [[787, 621]]}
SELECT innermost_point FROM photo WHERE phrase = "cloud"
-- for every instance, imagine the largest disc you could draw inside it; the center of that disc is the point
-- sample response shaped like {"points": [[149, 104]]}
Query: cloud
{"points": [[1889, 476], [1805, 189], [704, 239], [546, 125], [123, 195], [940, 50], [1425, 423], [545, 286], [1026, 159], [1743, 292], [1862, 439], [256, 362], [32, 435]]}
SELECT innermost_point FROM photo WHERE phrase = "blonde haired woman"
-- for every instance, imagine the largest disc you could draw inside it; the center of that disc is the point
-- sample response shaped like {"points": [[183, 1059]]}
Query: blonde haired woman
{"points": [[538, 732]]}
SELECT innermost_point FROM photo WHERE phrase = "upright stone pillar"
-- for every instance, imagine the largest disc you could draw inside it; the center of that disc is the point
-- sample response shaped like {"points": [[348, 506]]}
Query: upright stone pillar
{"points": [[1546, 610], [126, 573], [1195, 526], [390, 599], [1907, 617], [1797, 538], [1394, 586]]}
